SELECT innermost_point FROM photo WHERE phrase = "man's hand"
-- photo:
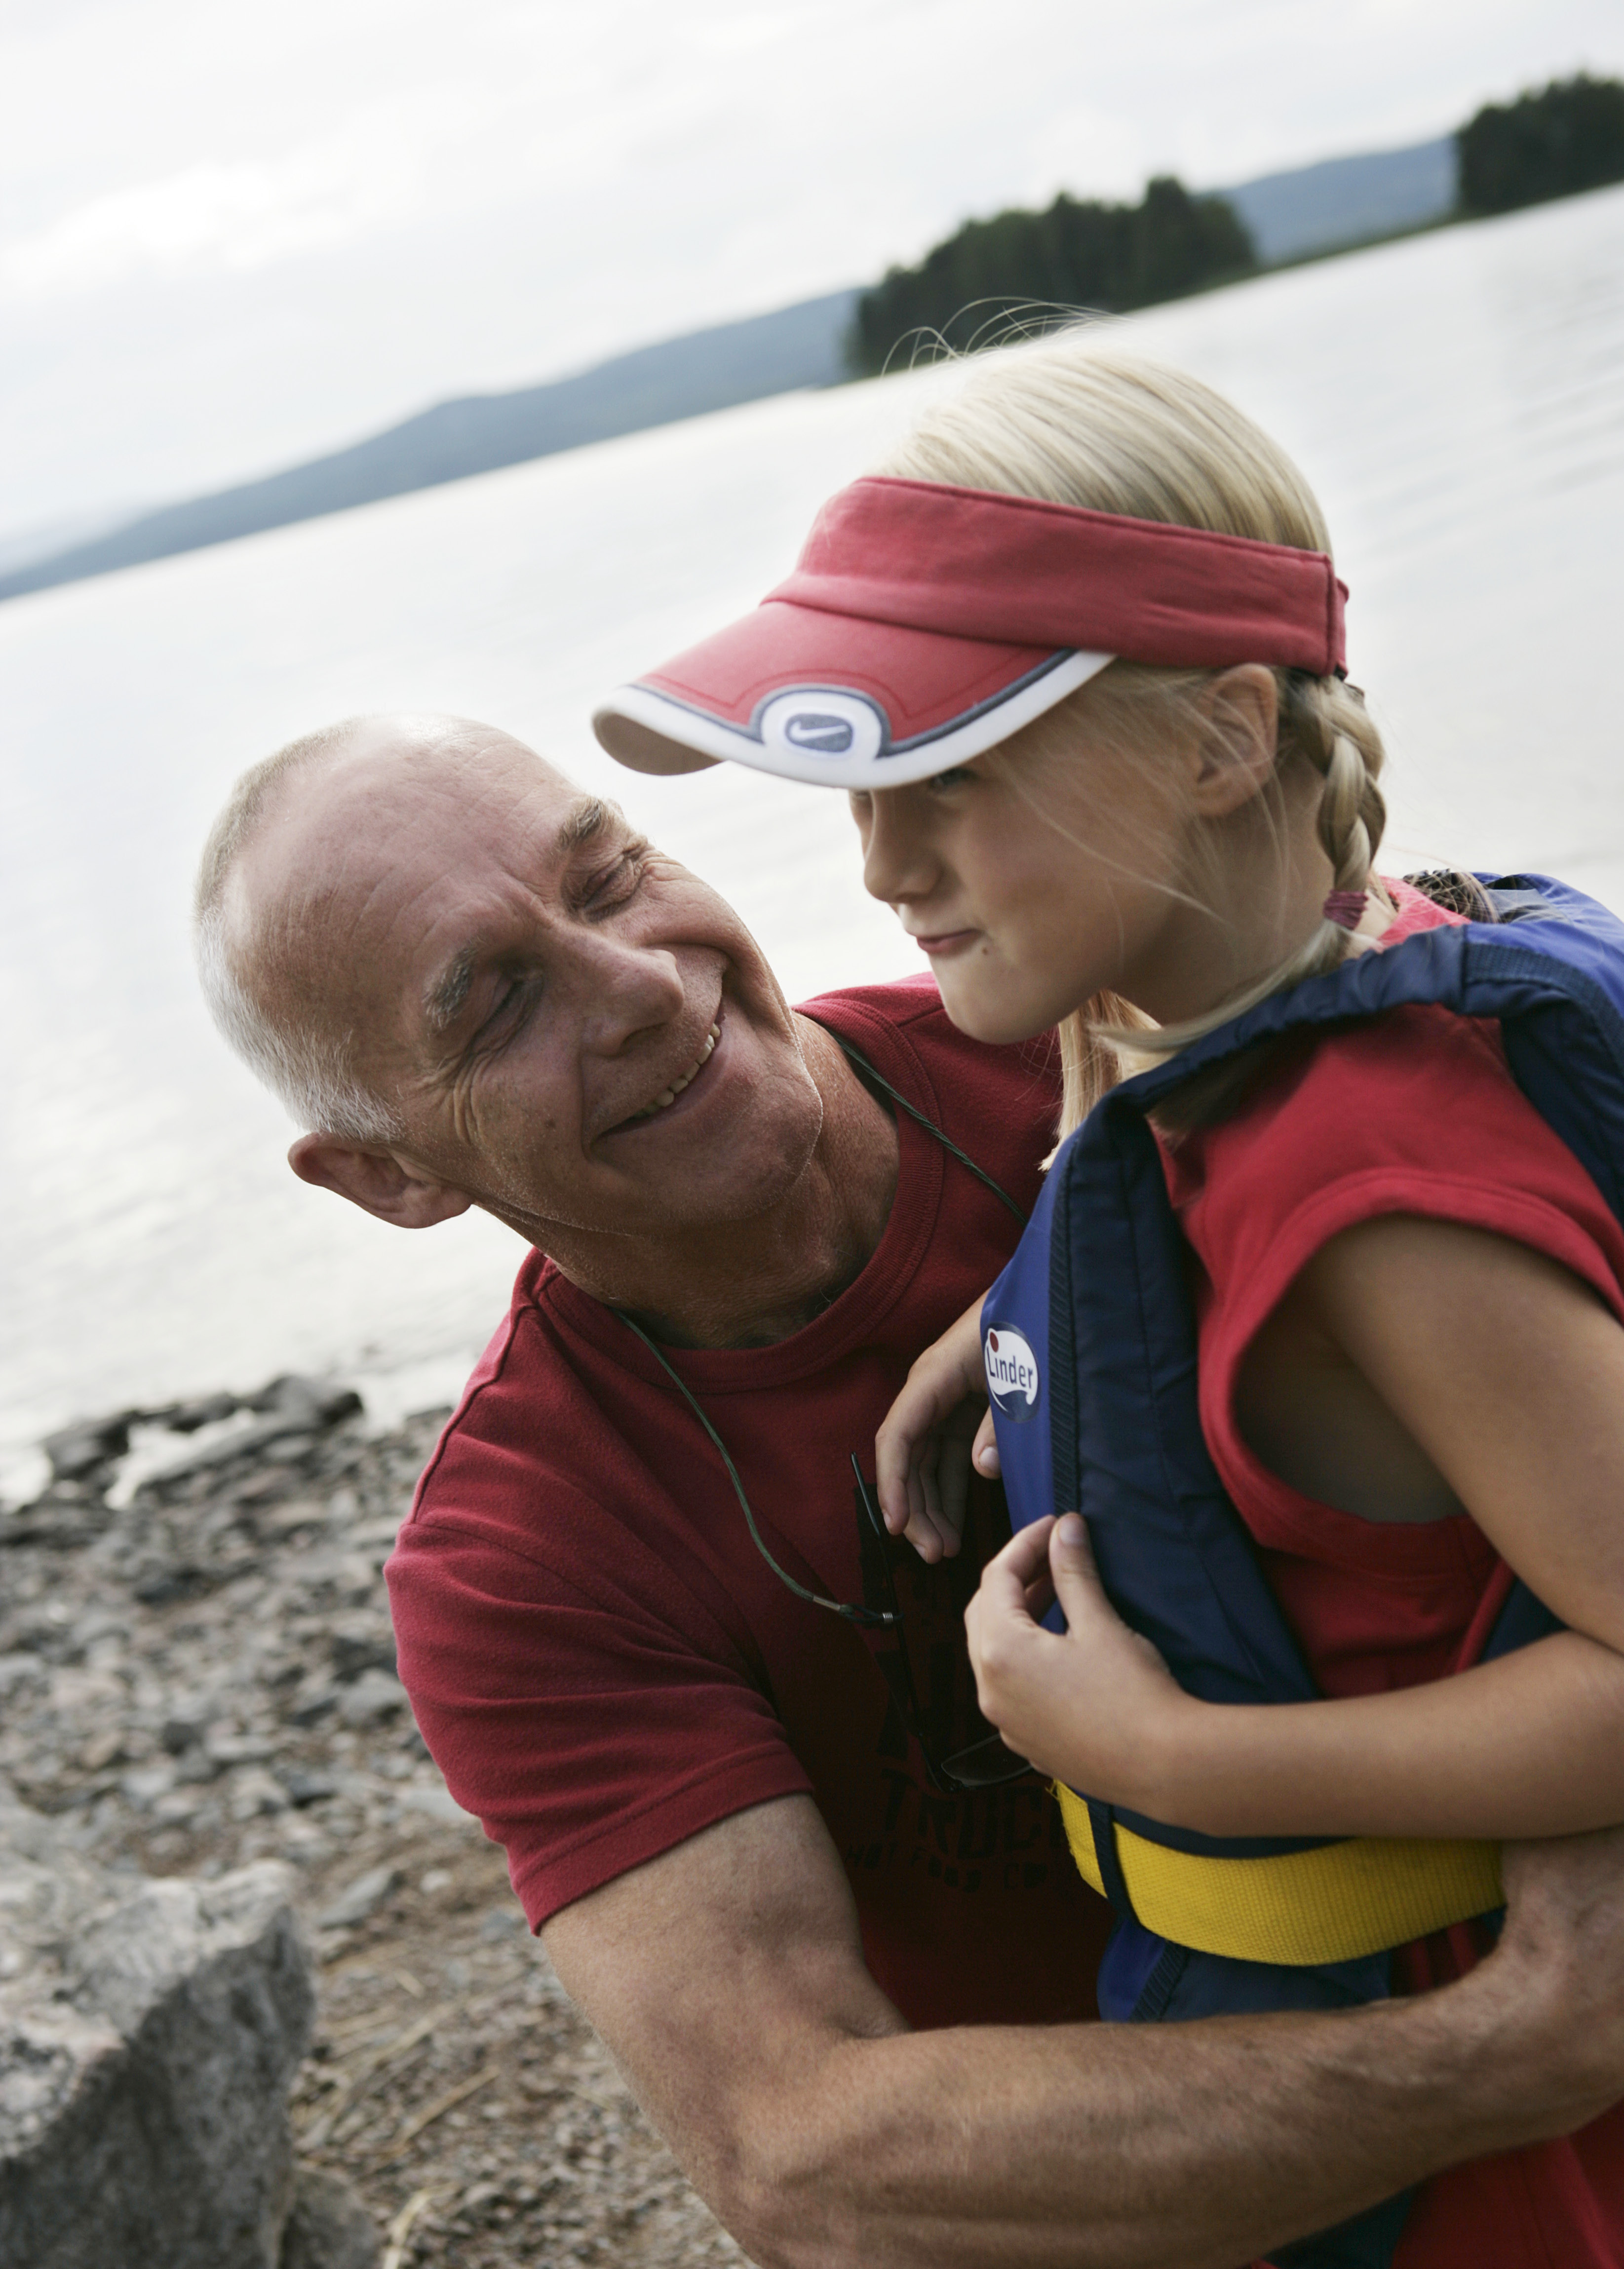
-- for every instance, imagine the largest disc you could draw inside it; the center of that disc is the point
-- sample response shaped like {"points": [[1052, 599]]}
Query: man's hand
{"points": [[1560, 1967], [924, 1450]]}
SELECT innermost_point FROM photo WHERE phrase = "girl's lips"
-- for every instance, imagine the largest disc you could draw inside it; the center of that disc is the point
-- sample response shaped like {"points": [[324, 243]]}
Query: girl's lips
{"points": [[947, 942]]}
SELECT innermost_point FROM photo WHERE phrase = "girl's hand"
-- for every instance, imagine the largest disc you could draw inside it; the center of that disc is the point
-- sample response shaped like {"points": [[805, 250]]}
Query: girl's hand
{"points": [[1095, 1706], [923, 1453]]}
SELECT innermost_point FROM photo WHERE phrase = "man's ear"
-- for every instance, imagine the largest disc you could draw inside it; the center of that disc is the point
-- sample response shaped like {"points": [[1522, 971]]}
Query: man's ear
{"points": [[376, 1181], [1237, 751]]}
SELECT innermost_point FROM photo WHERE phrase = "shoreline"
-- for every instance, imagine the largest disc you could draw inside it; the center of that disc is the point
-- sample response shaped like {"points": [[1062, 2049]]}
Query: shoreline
{"points": [[196, 1672], [392, 1391]]}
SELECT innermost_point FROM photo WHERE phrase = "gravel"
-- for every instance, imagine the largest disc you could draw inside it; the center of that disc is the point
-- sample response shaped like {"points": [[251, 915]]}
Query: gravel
{"points": [[200, 1673]]}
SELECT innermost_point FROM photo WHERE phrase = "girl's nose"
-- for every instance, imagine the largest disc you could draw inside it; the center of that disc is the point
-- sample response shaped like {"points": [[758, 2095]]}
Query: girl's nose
{"points": [[898, 864]]}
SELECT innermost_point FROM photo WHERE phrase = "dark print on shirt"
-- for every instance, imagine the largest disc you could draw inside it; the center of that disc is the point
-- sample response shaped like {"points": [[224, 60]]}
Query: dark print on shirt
{"points": [[1008, 1834], [1009, 1838]]}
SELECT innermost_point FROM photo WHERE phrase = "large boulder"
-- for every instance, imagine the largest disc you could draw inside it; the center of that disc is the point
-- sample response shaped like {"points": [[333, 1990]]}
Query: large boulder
{"points": [[148, 2033]]}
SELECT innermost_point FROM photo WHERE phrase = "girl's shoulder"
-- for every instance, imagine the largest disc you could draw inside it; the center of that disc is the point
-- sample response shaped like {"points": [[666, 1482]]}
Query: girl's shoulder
{"points": [[1412, 1112]]}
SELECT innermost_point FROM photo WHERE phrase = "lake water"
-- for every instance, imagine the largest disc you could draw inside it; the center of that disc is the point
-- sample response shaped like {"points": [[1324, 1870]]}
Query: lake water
{"points": [[1458, 400]]}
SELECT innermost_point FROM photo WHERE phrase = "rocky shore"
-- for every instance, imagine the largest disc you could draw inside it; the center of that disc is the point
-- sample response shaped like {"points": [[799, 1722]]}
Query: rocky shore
{"points": [[197, 1676]]}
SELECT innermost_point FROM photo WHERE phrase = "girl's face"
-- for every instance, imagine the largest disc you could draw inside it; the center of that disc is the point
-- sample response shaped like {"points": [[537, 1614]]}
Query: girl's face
{"points": [[1048, 869]]}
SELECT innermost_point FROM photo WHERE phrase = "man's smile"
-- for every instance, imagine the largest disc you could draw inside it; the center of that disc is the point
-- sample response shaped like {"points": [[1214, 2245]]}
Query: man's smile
{"points": [[668, 1094]]}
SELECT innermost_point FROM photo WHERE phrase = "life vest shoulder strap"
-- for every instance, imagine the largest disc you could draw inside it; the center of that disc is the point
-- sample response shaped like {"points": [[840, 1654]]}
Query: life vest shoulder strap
{"points": [[1099, 1286]]}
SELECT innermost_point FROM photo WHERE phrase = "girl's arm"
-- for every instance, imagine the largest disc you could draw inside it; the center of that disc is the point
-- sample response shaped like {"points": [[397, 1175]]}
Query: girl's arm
{"points": [[1508, 1372], [1531, 1745]]}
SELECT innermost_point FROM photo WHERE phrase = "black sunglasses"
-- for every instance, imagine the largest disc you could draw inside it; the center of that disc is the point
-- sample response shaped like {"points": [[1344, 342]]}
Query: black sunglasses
{"points": [[986, 1763]]}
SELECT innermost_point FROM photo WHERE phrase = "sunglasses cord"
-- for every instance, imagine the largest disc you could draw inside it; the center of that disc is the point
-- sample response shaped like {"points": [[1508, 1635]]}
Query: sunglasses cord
{"points": [[868, 1618], [862, 1065], [854, 1614]]}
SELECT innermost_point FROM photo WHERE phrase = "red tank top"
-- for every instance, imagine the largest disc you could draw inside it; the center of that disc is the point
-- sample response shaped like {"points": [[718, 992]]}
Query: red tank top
{"points": [[1413, 1113]]}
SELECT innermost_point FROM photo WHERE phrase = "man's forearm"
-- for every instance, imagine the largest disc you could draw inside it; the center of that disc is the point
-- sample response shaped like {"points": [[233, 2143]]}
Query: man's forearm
{"points": [[728, 1978], [1201, 2145]]}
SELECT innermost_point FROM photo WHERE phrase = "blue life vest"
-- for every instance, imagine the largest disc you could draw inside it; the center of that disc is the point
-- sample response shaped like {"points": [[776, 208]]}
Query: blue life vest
{"points": [[1089, 1338]]}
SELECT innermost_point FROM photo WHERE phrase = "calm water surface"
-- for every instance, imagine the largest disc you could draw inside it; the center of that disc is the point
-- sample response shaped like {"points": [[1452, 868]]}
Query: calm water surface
{"points": [[1458, 400]]}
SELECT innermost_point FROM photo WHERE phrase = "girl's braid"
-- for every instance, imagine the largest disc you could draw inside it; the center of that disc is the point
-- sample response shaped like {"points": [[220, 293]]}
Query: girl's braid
{"points": [[1324, 722]]}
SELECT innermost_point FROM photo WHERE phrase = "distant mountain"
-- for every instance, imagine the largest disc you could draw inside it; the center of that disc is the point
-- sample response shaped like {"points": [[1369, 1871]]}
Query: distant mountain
{"points": [[653, 385], [1343, 200], [46, 539], [1347, 200]]}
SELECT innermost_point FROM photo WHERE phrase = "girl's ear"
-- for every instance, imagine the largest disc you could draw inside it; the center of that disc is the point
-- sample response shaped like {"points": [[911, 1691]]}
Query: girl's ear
{"points": [[1236, 755]]}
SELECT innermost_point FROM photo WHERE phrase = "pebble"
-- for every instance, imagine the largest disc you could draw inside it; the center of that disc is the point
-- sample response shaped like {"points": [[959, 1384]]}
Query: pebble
{"points": [[363, 1898], [374, 1695]]}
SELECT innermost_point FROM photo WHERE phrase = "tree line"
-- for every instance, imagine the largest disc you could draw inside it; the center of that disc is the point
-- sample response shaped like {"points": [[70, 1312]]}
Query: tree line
{"points": [[1552, 144], [1030, 265], [1022, 269]]}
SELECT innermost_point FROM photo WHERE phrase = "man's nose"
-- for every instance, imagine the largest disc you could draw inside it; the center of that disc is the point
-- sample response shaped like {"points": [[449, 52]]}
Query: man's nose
{"points": [[626, 990], [897, 861]]}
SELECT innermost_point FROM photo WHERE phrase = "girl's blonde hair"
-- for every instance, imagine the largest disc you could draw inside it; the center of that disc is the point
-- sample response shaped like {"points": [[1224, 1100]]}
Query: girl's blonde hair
{"points": [[1076, 422]]}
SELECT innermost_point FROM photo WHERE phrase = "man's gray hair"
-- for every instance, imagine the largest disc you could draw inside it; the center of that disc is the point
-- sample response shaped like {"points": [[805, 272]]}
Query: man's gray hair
{"points": [[308, 1067]]}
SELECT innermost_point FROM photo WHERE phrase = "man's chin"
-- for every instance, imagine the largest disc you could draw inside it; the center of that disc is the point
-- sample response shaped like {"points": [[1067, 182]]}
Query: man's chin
{"points": [[659, 1187], [732, 1185]]}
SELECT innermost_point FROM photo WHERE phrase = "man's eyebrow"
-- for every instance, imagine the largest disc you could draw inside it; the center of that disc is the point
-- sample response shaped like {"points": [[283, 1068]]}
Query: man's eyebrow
{"points": [[442, 1003], [584, 819], [446, 993]]}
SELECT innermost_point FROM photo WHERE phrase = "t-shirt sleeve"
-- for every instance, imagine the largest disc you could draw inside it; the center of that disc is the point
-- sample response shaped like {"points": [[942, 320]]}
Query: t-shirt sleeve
{"points": [[1414, 1113], [589, 1718]]}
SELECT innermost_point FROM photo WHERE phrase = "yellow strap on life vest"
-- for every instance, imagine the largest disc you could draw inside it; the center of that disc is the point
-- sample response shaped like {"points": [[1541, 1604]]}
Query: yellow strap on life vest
{"points": [[1297, 1908]]}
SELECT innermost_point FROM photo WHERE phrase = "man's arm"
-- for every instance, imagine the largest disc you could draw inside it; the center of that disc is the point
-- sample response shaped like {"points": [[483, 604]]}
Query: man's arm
{"points": [[727, 1980]]}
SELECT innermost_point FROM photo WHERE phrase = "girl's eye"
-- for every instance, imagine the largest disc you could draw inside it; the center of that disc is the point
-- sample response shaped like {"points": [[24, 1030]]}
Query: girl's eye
{"points": [[939, 783]]}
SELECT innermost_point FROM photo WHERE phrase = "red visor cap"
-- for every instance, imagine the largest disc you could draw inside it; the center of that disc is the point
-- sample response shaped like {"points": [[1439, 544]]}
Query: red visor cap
{"points": [[924, 623]]}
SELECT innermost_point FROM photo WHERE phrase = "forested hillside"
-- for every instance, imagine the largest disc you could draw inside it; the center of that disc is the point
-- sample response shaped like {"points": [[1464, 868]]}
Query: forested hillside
{"points": [[1078, 254]]}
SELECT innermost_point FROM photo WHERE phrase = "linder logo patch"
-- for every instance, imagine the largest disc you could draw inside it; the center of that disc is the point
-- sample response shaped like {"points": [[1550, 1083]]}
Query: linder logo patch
{"points": [[1012, 1378]]}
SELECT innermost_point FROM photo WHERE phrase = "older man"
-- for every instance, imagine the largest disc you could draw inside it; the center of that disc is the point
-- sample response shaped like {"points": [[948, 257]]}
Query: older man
{"points": [[820, 1958]]}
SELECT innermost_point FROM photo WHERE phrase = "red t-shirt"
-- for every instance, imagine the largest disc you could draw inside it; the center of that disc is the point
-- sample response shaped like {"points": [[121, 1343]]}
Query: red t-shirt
{"points": [[602, 1664], [1413, 1113]]}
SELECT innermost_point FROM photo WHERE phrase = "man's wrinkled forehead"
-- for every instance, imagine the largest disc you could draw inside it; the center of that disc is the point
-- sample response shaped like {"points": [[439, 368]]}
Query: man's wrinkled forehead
{"points": [[356, 858]]}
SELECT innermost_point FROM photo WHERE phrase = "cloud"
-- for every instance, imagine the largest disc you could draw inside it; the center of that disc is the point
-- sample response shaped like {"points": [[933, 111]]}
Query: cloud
{"points": [[227, 215]]}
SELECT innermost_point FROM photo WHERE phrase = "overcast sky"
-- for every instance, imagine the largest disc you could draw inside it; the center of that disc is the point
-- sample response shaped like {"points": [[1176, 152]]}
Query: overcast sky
{"points": [[234, 236]]}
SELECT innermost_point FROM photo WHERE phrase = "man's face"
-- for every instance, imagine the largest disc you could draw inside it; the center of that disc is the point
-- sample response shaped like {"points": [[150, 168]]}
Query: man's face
{"points": [[569, 1027]]}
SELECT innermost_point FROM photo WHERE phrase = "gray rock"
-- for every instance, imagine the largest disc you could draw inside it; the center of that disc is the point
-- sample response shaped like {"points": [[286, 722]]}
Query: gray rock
{"points": [[143, 1785], [354, 1651], [303, 1787], [363, 1898], [374, 1695], [313, 1402], [84, 1447], [313, 1703], [161, 1587], [185, 1725], [438, 1803], [252, 1791], [189, 1417], [147, 2038], [328, 2227]]}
